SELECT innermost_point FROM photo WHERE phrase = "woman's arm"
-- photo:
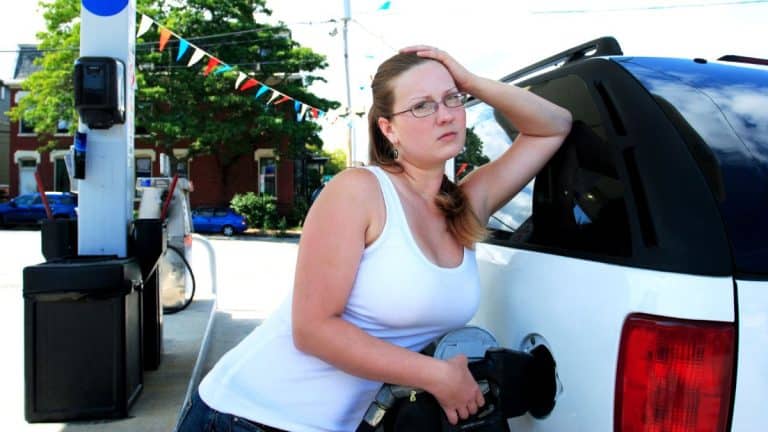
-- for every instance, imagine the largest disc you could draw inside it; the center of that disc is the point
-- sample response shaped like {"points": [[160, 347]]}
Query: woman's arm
{"points": [[543, 127], [332, 242]]}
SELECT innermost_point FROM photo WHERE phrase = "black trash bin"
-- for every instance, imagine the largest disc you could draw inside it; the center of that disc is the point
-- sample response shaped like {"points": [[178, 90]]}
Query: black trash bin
{"points": [[149, 239], [82, 338], [58, 238]]}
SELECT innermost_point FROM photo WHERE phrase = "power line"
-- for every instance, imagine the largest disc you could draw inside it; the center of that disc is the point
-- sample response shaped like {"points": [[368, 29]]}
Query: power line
{"points": [[642, 8], [216, 35], [379, 37]]}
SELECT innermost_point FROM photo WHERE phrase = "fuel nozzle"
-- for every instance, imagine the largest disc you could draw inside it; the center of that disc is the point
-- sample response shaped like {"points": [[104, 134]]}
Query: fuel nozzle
{"points": [[525, 381]]}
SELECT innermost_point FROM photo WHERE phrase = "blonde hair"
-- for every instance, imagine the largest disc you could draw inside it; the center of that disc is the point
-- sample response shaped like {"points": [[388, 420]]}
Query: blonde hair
{"points": [[462, 222]]}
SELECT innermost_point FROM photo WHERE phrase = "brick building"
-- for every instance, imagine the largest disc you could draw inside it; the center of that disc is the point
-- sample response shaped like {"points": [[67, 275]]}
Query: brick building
{"points": [[260, 171]]}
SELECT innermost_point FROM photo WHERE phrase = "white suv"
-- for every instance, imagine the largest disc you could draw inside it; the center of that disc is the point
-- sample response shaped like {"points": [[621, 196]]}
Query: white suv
{"points": [[639, 255]]}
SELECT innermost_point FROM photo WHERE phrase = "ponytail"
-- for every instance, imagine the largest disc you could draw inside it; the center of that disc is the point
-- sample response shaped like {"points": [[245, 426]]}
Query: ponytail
{"points": [[463, 223]]}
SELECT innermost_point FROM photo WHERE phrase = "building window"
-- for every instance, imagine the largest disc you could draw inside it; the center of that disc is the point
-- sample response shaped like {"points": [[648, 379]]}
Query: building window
{"points": [[267, 176], [62, 127], [26, 127], [181, 168], [143, 167], [60, 176]]}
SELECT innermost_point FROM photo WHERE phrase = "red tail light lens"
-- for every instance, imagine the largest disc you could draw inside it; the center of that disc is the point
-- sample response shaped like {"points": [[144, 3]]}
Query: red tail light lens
{"points": [[674, 375]]}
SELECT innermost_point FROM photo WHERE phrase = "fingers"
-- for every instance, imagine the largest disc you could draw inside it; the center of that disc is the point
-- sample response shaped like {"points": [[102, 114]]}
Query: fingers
{"points": [[416, 48], [453, 418], [480, 399], [472, 408], [426, 51]]}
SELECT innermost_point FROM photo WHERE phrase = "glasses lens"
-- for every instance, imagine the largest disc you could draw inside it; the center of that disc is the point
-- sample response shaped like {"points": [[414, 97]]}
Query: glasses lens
{"points": [[424, 109], [455, 100]]}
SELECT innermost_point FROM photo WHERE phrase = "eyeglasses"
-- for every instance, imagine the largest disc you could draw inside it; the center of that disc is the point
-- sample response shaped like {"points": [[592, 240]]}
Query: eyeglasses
{"points": [[429, 107]]}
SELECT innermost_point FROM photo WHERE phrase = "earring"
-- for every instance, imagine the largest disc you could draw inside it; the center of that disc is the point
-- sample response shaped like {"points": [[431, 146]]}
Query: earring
{"points": [[395, 153]]}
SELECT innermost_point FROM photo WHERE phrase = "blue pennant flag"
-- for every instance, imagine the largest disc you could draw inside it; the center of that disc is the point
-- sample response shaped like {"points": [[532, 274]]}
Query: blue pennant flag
{"points": [[221, 69], [261, 91], [183, 45], [385, 5]]}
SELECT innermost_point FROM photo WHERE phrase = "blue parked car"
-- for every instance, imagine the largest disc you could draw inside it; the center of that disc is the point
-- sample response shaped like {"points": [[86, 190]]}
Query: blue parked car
{"points": [[218, 220], [29, 209]]}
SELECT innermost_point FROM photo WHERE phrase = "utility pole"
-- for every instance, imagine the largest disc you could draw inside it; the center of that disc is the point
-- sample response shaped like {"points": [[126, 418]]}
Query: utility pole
{"points": [[350, 147]]}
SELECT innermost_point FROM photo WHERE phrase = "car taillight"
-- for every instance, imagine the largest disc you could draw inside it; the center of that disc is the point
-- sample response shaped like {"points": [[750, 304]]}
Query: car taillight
{"points": [[674, 375]]}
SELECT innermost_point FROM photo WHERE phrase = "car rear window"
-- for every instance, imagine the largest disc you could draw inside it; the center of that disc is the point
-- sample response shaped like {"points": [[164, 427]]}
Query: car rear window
{"points": [[727, 108]]}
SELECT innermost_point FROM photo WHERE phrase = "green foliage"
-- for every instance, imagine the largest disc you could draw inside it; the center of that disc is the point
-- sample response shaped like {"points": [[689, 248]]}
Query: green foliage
{"points": [[282, 226], [259, 210], [472, 154], [337, 161], [299, 210], [176, 103]]}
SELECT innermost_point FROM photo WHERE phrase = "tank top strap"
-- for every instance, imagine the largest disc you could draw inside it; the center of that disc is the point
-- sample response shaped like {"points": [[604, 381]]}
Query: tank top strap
{"points": [[395, 213]]}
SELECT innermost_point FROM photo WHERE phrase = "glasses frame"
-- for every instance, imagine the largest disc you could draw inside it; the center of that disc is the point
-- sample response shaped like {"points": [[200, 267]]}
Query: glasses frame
{"points": [[464, 97]]}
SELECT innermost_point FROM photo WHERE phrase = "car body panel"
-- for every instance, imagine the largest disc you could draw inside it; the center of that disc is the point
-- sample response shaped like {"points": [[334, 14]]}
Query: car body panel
{"points": [[749, 413], [676, 152], [29, 209], [214, 220], [579, 307]]}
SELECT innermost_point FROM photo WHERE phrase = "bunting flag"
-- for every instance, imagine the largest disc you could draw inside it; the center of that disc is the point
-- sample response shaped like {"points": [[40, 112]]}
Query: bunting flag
{"points": [[283, 99], [240, 78], [165, 34], [196, 56], [261, 91], [212, 63], [144, 26], [221, 69], [183, 45], [385, 5], [248, 84], [274, 96], [215, 65]]}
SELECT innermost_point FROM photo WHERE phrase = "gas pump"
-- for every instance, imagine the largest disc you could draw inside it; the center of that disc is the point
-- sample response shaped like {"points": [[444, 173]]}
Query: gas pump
{"points": [[85, 316], [167, 199]]}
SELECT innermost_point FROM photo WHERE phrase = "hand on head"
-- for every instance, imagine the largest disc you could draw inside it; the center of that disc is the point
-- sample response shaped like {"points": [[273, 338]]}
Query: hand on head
{"points": [[461, 76]]}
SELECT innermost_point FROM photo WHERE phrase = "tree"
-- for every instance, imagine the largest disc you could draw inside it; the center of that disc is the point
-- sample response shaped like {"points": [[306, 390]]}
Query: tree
{"points": [[176, 103], [471, 156]]}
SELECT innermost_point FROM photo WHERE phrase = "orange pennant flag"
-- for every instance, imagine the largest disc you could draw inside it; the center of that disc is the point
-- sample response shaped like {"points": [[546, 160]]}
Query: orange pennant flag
{"points": [[248, 84], [165, 34], [212, 63], [283, 99]]}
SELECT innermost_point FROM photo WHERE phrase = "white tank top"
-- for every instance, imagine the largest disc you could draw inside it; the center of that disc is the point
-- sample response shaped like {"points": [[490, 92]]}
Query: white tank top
{"points": [[398, 296]]}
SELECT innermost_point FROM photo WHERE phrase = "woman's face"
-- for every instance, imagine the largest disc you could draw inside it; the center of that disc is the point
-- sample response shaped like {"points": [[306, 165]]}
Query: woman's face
{"points": [[434, 138]]}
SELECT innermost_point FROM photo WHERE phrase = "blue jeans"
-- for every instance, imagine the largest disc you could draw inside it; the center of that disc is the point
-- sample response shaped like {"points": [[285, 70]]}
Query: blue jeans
{"points": [[199, 417]]}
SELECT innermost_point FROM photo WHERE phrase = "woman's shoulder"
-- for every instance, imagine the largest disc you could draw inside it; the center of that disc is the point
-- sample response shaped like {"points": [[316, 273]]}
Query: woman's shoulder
{"points": [[354, 180], [350, 197]]}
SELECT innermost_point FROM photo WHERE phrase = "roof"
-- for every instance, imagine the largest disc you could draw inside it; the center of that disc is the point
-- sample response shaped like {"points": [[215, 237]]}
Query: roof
{"points": [[25, 61]]}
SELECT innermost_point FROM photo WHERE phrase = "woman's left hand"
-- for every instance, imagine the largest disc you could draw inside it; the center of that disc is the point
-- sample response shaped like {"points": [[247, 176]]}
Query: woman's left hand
{"points": [[461, 75]]}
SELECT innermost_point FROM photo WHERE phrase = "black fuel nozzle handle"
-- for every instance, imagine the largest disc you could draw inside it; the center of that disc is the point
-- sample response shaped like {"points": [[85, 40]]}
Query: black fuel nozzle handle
{"points": [[526, 381]]}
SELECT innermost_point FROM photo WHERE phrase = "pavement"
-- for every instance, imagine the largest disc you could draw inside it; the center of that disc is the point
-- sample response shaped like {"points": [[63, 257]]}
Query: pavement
{"points": [[250, 277]]}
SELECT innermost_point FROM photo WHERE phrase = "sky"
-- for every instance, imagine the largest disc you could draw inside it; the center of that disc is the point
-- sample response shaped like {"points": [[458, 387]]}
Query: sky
{"points": [[490, 37]]}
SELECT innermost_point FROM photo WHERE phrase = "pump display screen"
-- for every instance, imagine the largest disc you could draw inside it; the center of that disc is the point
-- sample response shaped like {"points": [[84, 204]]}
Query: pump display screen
{"points": [[94, 84]]}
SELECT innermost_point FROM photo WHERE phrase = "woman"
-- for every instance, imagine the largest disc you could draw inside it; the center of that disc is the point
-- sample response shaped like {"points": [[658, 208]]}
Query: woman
{"points": [[386, 261]]}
